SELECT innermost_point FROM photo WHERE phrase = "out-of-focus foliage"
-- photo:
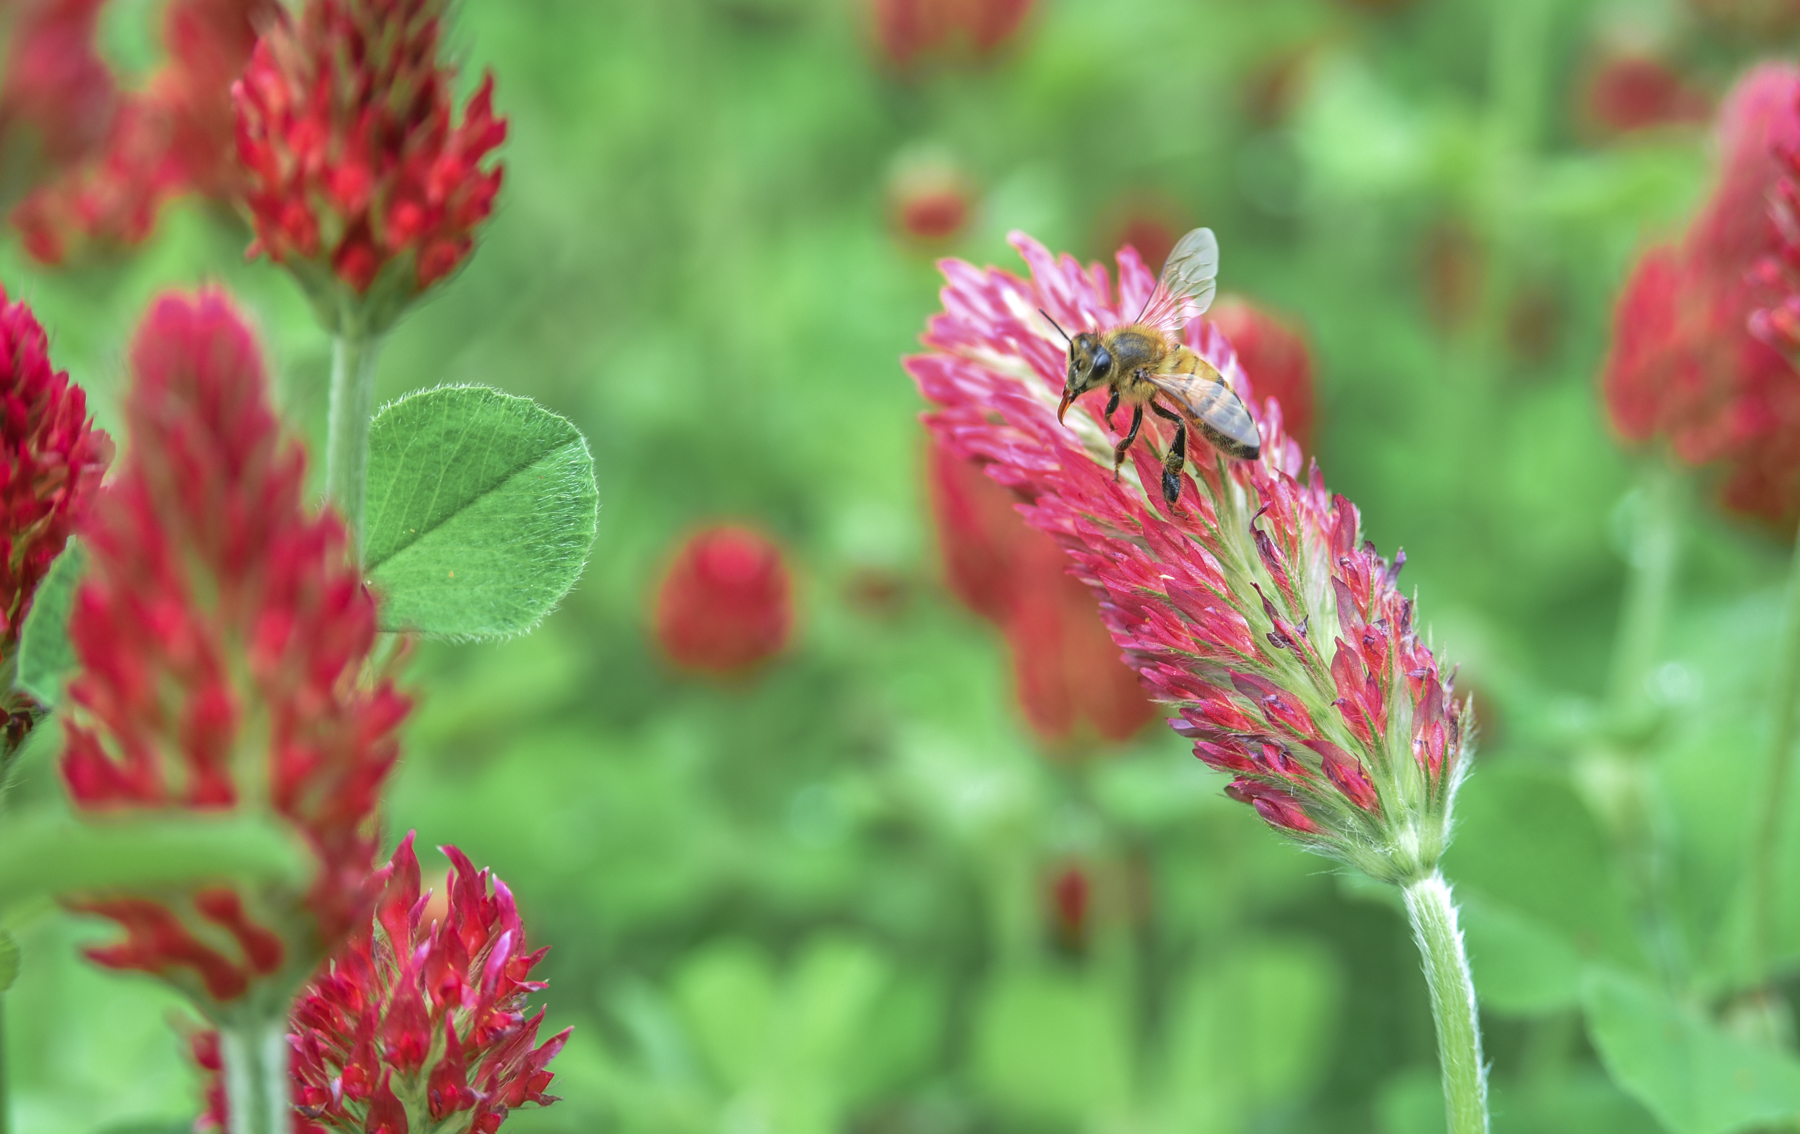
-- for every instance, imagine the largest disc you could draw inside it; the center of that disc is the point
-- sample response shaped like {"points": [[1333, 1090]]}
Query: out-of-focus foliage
{"points": [[819, 899]]}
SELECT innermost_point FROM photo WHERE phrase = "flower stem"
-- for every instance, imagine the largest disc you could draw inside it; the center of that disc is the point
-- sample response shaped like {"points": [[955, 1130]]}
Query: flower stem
{"points": [[1784, 716], [5, 1100], [257, 1092], [353, 356], [1653, 548], [1433, 917], [1614, 769]]}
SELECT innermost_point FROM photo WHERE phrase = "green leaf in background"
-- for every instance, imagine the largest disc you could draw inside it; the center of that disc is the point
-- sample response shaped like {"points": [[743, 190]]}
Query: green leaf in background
{"points": [[482, 508], [9, 960], [1050, 1045], [1694, 1077], [1525, 841], [789, 1049], [46, 656], [727, 993], [43, 856], [1520, 967], [1252, 1029]]}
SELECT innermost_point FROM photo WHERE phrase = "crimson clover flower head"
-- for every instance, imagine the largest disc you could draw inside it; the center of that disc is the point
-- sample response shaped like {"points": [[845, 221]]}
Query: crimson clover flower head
{"points": [[1252, 606], [1699, 329], [1066, 670], [223, 633], [51, 462], [423, 1025], [725, 605], [359, 178]]}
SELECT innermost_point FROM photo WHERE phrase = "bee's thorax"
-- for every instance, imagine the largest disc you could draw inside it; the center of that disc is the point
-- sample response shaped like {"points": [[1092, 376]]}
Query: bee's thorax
{"points": [[1134, 347]]}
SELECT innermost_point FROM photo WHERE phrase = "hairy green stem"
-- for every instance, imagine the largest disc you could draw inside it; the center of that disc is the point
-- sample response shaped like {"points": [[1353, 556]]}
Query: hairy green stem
{"points": [[353, 356], [1778, 763], [1433, 916], [257, 1091]]}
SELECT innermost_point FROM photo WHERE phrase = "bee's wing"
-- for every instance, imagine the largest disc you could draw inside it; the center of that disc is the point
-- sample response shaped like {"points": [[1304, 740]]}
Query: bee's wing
{"points": [[1189, 278], [1204, 398]]}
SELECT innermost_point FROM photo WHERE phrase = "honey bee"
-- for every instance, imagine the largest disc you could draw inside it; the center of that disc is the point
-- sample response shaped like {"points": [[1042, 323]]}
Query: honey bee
{"points": [[1145, 361]]}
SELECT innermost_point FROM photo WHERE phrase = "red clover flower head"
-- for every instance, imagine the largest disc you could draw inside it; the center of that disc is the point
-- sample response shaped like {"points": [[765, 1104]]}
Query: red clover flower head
{"points": [[1066, 670], [725, 605], [1251, 606], [1691, 359], [51, 462], [359, 179], [223, 634], [422, 1025]]}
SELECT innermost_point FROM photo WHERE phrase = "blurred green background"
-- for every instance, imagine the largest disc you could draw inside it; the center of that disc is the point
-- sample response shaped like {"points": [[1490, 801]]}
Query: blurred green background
{"points": [[816, 900]]}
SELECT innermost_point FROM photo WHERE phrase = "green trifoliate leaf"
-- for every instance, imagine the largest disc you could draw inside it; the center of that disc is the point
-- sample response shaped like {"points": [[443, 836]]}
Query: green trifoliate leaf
{"points": [[480, 513], [46, 655], [1692, 1075]]}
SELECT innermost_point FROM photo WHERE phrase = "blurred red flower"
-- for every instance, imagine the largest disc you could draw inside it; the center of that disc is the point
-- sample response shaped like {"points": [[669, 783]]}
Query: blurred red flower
{"points": [[223, 634], [1623, 93], [908, 31], [1067, 672], [1452, 271], [1274, 352], [58, 96], [931, 201], [1778, 324], [359, 178], [725, 604], [1270, 90], [1145, 220], [171, 138], [1069, 898], [1252, 605], [1683, 364]]}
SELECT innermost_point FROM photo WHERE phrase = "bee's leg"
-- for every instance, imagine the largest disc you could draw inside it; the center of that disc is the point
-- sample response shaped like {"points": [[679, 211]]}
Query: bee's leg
{"points": [[1177, 455], [1137, 419], [1112, 407]]}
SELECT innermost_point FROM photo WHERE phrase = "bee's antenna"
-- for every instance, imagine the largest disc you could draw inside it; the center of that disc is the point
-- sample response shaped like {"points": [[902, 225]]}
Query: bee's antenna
{"points": [[1053, 323]]}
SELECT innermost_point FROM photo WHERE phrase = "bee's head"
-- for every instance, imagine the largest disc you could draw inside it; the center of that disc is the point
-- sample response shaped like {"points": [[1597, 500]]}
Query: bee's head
{"points": [[1090, 366]]}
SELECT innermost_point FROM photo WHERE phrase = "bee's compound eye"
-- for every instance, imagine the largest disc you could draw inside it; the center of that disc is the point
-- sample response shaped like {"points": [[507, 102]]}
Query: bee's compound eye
{"points": [[1102, 362]]}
